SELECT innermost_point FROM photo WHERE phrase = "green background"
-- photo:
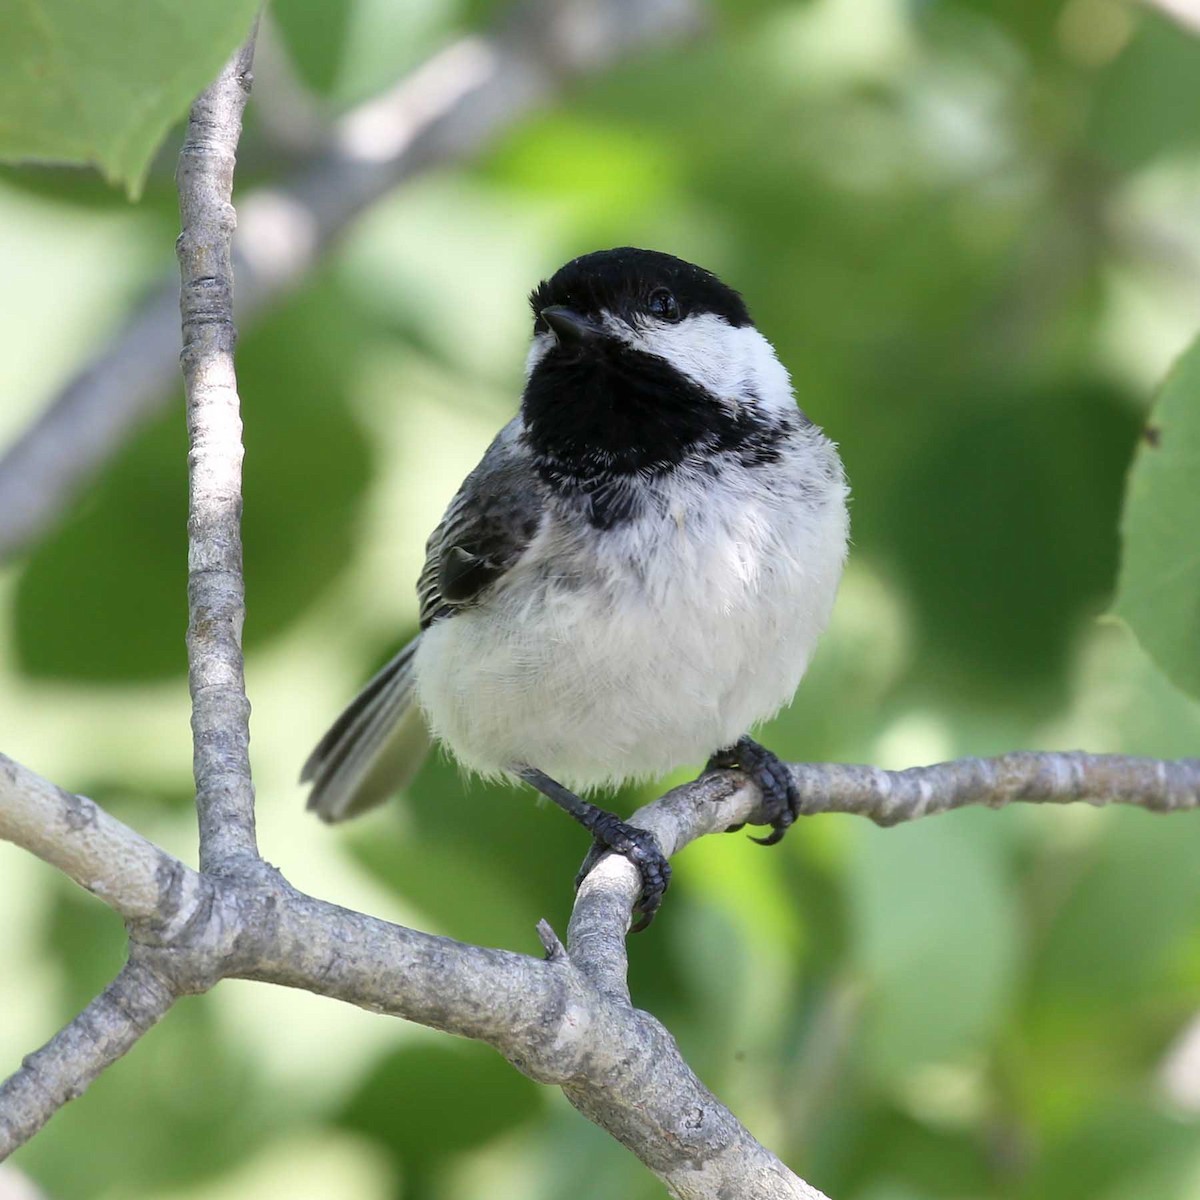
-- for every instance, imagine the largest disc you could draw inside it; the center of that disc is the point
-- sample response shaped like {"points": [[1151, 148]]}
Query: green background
{"points": [[971, 230]]}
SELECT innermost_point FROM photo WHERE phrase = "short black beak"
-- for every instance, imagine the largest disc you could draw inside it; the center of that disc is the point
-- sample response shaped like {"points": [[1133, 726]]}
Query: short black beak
{"points": [[568, 326]]}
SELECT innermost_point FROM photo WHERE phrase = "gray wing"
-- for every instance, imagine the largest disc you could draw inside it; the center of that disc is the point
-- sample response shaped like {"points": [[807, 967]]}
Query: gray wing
{"points": [[373, 749], [485, 529], [377, 744]]}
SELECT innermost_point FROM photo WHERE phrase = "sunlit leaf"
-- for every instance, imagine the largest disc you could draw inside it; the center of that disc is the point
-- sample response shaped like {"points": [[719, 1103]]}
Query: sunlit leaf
{"points": [[84, 83], [1159, 590]]}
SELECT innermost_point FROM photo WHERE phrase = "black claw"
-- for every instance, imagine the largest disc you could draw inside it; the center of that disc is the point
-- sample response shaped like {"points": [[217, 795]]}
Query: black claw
{"points": [[776, 835], [641, 848], [596, 851], [611, 833], [781, 801]]}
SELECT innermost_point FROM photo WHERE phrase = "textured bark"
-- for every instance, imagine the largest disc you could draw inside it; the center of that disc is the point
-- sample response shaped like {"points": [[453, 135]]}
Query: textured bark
{"points": [[216, 593], [65, 1065], [565, 1019], [238, 917]]}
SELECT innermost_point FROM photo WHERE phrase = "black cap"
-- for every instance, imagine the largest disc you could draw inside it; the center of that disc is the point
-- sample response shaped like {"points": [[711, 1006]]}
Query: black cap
{"points": [[621, 282]]}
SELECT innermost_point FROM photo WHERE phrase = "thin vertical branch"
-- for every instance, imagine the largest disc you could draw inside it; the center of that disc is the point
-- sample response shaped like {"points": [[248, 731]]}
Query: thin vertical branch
{"points": [[216, 592]]}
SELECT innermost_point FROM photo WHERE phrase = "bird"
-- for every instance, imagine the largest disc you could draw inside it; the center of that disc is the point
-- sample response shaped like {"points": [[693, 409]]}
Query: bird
{"points": [[634, 576]]}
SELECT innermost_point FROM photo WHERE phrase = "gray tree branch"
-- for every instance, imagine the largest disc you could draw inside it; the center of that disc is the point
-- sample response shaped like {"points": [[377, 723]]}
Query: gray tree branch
{"points": [[553, 1019], [216, 592], [239, 917], [565, 1019], [131, 875], [444, 112], [63, 1068]]}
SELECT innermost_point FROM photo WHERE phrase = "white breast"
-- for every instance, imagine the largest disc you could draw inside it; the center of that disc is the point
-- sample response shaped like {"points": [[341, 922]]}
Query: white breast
{"points": [[607, 656]]}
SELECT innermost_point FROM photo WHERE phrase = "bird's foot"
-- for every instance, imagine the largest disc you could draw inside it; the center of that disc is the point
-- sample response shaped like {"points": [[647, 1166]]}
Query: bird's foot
{"points": [[642, 849], [611, 833], [781, 801]]}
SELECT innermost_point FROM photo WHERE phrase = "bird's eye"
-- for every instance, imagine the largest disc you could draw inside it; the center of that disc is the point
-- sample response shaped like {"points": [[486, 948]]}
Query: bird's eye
{"points": [[663, 305]]}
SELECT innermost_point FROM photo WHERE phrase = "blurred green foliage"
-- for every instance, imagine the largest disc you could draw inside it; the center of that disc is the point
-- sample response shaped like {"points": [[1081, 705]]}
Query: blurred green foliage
{"points": [[970, 228]]}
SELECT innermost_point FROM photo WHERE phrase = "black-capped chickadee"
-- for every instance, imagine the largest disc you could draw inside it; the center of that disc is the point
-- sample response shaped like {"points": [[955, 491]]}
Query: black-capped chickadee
{"points": [[634, 575]]}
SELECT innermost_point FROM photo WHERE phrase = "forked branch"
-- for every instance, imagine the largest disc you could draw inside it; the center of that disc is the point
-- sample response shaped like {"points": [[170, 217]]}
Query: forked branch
{"points": [[565, 1018]]}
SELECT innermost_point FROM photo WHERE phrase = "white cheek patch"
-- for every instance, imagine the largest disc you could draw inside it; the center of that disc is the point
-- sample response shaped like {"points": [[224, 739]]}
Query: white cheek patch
{"points": [[734, 364], [537, 351]]}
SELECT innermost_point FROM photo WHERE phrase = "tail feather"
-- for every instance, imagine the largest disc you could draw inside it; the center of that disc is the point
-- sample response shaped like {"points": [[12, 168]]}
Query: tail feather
{"points": [[373, 749]]}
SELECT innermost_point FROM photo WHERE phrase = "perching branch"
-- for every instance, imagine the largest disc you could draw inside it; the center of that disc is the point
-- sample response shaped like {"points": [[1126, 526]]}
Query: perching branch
{"points": [[716, 802], [553, 1018], [443, 112], [566, 1018], [140, 882]]}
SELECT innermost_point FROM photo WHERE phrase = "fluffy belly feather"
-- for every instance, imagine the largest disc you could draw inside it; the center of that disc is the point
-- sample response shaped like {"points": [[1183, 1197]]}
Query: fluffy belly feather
{"points": [[642, 650]]}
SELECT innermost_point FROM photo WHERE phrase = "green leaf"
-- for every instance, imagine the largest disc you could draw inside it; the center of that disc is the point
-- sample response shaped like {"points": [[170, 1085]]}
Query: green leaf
{"points": [[315, 36], [348, 50], [1158, 594], [1112, 974], [883, 1153], [1114, 1153], [1147, 102], [127, 541], [101, 85]]}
